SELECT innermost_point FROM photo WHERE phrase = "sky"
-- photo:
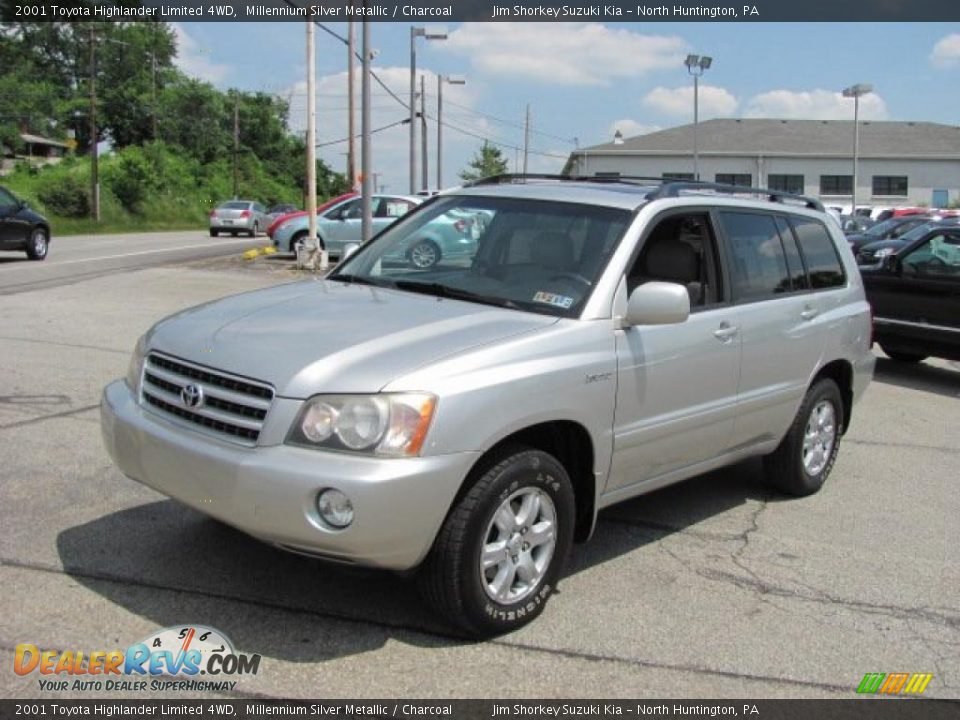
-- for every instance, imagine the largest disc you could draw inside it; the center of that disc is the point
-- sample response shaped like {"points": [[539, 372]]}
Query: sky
{"points": [[583, 81]]}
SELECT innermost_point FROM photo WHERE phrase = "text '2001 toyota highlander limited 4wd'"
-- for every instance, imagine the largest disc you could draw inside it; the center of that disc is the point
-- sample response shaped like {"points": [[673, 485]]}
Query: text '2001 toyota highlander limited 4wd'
{"points": [[600, 340]]}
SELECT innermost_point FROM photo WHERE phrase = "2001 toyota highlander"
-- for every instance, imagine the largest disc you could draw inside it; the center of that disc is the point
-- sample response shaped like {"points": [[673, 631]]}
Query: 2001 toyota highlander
{"points": [[469, 419]]}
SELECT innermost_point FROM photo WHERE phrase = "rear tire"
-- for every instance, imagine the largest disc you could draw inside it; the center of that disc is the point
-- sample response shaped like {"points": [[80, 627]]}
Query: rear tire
{"points": [[255, 231], [38, 245], [424, 255], [902, 356], [802, 462], [501, 550], [214, 233]]}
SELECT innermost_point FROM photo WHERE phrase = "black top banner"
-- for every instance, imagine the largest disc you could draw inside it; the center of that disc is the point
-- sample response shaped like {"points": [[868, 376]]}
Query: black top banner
{"points": [[439, 11]]}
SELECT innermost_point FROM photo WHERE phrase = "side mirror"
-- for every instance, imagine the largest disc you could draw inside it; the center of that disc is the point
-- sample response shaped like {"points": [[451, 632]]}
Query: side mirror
{"points": [[24, 205], [890, 264], [349, 249], [657, 303]]}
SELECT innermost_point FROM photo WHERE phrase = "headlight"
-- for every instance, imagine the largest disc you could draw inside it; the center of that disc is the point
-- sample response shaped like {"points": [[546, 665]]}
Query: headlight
{"points": [[883, 252], [387, 424], [135, 368]]}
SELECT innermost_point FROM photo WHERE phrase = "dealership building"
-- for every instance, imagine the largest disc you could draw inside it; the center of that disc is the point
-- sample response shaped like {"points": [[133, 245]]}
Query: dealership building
{"points": [[901, 163]]}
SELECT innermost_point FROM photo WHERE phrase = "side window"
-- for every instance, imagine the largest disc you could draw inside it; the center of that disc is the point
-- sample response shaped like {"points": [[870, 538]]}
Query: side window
{"points": [[342, 212], [938, 258], [7, 201], [394, 208], [798, 274], [819, 253], [681, 249], [758, 266]]}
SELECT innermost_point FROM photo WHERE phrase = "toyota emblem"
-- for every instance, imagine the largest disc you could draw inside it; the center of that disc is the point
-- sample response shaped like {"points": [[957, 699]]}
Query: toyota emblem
{"points": [[191, 396]]}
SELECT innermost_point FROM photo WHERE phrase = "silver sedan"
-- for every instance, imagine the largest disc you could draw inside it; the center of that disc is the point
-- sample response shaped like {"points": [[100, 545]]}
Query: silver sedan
{"points": [[238, 216]]}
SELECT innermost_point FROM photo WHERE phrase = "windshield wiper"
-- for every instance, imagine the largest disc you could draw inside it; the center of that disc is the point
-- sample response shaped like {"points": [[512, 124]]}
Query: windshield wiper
{"points": [[445, 291], [358, 279]]}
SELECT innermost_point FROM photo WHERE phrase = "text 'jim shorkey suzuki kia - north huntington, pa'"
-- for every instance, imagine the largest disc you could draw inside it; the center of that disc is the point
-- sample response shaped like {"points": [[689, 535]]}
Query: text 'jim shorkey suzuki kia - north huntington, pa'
{"points": [[467, 419]]}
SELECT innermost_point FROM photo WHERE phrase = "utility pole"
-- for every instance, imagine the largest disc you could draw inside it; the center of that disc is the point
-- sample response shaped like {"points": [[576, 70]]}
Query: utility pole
{"points": [[526, 139], [351, 124], [312, 247], [441, 79], [94, 160], [236, 146], [424, 170], [376, 182], [366, 204]]}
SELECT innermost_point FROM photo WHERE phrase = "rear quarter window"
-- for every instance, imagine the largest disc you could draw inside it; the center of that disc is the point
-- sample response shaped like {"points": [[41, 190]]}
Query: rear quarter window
{"points": [[819, 253]]}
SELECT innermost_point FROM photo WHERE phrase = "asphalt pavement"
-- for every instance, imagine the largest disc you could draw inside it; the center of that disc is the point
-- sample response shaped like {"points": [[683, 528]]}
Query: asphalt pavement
{"points": [[712, 588], [77, 257]]}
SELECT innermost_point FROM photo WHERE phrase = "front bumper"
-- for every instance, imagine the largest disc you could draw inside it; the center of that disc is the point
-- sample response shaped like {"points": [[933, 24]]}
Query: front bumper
{"points": [[270, 491]]}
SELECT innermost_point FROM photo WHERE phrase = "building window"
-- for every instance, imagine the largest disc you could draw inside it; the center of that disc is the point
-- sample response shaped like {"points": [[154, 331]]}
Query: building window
{"points": [[785, 183], [890, 185], [836, 184], [740, 179], [677, 176]]}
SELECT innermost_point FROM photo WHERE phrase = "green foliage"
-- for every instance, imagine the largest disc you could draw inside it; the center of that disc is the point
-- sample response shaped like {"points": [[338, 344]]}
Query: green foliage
{"points": [[172, 136], [488, 161], [66, 194]]}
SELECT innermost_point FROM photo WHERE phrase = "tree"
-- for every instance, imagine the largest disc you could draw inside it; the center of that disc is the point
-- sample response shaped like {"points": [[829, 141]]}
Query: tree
{"points": [[488, 161]]}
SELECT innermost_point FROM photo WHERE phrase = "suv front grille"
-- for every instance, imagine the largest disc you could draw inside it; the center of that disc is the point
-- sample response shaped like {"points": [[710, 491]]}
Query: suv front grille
{"points": [[229, 407]]}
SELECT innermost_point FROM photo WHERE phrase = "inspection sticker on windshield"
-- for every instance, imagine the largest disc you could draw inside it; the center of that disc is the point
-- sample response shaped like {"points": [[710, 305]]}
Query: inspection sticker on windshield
{"points": [[551, 299]]}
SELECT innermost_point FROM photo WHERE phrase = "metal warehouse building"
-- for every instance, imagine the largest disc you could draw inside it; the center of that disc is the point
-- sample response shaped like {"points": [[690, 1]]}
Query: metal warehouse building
{"points": [[901, 163]]}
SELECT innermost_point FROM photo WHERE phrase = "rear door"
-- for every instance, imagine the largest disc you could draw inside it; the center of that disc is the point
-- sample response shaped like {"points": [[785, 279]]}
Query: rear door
{"points": [[779, 315]]}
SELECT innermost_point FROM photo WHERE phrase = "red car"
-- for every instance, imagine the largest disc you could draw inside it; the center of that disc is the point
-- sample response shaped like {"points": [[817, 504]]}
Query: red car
{"points": [[320, 208]]}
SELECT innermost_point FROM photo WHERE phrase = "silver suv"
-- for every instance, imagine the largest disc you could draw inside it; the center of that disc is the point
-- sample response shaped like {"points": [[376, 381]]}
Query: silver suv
{"points": [[600, 340]]}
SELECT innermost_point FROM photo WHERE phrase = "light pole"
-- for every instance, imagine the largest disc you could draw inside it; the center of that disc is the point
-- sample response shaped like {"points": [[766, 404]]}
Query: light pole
{"points": [[441, 79], [416, 32], [696, 66], [855, 91]]}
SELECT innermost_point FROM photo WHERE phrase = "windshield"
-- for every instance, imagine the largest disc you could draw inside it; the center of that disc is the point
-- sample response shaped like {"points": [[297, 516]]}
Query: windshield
{"points": [[531, 255], [917, 232]]}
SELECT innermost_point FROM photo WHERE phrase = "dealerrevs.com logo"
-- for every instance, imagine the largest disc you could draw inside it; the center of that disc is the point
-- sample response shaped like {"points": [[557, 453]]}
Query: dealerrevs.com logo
{"points": [[172, 659]]}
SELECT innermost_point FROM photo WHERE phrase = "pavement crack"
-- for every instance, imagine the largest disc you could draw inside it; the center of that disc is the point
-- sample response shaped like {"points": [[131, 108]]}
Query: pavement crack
{"points": [[51, 416]]}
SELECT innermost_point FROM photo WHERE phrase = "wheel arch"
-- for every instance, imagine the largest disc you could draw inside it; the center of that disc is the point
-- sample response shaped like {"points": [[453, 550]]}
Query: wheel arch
{"points": [[841, 372], [570, 443]]}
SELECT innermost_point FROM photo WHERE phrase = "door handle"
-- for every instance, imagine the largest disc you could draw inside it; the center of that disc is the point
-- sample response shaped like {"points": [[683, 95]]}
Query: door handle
{"points": [[725, 332], [809, 312]]}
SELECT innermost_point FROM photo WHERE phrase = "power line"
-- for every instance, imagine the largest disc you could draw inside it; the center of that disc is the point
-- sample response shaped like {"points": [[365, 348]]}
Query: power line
{"points": [[517, 125], [375, 130]]}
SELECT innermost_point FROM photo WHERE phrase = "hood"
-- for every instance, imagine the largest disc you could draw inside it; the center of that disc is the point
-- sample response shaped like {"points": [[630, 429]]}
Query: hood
{"points": [[320, 336]]}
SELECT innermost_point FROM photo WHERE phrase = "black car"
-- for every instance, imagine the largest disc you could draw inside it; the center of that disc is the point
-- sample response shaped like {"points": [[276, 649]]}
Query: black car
{"points": [[891, 228], [21, 228], [875, 252], [915, 296]]}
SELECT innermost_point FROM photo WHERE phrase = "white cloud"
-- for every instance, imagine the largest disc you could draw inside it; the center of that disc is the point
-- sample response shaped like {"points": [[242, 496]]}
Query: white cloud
{"points": [[391, 147], [630, 128], [813, 105], [563, 53], [714, 101], [946, 53], [194, 60]]}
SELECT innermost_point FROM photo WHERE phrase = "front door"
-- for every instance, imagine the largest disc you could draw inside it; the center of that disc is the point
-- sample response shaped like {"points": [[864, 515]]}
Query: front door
{"points": [[676, 384]]}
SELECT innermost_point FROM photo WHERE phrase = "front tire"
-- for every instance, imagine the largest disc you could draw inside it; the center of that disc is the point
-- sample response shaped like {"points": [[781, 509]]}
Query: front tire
{"points": [[38, 245], [803, 460], [502, 548]]}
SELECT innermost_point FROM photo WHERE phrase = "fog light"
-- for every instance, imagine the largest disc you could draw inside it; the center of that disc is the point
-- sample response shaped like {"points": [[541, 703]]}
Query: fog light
{"points": [[335, 508]]}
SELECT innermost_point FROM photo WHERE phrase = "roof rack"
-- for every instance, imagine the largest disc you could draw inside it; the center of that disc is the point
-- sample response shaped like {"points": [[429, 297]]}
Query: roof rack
{"points": [[674, 188], [667, 186]]}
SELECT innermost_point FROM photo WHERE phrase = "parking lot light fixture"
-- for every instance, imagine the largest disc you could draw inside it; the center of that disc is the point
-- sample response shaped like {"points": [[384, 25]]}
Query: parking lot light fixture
{"points": [[856, 91], [441, 79], [696, 66], [416, 32]]}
